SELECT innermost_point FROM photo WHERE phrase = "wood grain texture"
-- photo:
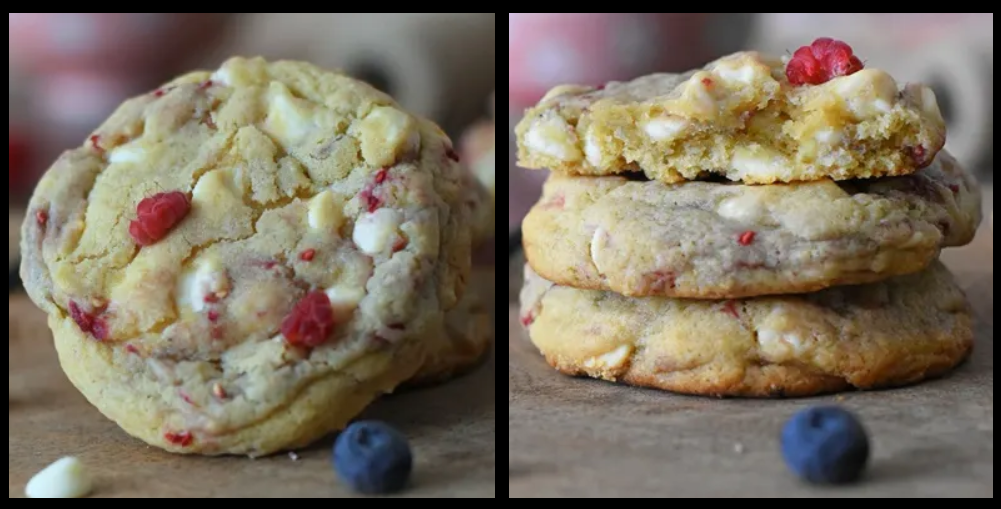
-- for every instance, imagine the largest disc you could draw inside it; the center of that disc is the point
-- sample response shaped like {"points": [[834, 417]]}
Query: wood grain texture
{"points": [[582, 438], [452, 429]]}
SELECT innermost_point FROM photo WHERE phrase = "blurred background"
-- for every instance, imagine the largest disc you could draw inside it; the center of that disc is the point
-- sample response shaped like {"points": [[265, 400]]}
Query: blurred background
{"points": [[68, 71], [954, 53]]}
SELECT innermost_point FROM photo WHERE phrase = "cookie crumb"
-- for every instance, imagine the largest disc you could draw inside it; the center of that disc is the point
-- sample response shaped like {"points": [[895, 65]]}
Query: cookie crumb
{"points": [[64, 479]]}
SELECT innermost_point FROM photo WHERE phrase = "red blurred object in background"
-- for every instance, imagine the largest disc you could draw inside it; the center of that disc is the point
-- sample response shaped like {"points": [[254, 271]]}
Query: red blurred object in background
{"points": [[550, 49], [18, 154]]}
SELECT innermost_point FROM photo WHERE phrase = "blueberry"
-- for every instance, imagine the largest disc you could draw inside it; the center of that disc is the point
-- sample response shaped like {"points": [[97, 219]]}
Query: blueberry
{"points": [[373, 458], [826, 445]]}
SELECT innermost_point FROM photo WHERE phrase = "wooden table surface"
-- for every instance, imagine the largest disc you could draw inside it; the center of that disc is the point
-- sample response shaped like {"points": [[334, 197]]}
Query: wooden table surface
{"points": [[452, 428], [583, 438]]}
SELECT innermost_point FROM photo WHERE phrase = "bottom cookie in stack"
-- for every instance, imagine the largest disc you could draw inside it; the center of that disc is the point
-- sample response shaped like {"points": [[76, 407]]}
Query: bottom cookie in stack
{"points": [[888, 334]]}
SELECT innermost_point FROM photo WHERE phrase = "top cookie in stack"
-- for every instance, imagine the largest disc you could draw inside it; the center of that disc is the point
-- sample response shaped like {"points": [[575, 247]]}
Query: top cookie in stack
{"points": [[758, 227], [747, 117]]}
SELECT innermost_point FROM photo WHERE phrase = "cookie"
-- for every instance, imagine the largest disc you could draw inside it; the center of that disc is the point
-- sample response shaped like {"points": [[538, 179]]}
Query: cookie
{"points": [[466, 335], [739, 117], [887, 334], [241, 261], [708, 240]]}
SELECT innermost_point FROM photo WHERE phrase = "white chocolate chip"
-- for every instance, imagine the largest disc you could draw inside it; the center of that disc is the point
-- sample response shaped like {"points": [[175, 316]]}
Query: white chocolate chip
{"points": [[64, 479], [345, 299], [760, 163], [385, 134], [746, 208], [592, 150], [664, 129], [131, 153], [376, 233], [223, 76], [219, 186], [289, 118], [867, 93], [325, 214], [207, 281], [612, 361], [553, 137], [924, 98], [598, 243], [741, 75]]}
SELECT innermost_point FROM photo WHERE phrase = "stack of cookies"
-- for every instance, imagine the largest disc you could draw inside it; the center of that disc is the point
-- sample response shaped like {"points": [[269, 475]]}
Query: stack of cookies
{"points": [[758, 228]]}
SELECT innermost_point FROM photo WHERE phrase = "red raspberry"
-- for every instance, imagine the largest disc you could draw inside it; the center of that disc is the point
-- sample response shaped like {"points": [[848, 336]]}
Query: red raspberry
{"points": [[157, 216], [381, 176], [747, 238], [821, 62], [89, 323], [308, 255], [182, 439], [311, 323]]}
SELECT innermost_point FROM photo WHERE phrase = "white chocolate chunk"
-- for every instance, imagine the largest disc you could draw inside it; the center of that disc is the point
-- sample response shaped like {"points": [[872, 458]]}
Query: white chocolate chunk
{"points": [[64, 479], [746, 208], [218, 187], [867, 93], [553, 137], [385, 134], [664, 129], [742, 75], [345, 299], [614, 360], [131, 153], [591, 150], [325, 214], [207, 281], [289, 118], [757, 163], [598, 243], [376, 233]]}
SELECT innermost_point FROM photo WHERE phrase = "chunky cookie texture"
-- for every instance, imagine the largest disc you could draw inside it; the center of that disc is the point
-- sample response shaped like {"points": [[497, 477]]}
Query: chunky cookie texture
{"points": [[720, 240], [887, 334], [747, 117], [241, 261]]}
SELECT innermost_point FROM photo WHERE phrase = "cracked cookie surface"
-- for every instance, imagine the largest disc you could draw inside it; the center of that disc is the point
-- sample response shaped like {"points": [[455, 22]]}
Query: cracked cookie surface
{"points": [[739, 117], [894, 333], [328, 233], [707, 240]]}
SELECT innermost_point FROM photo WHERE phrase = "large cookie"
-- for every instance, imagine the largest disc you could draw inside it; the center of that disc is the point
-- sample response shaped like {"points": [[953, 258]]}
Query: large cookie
{"points": [[886, 334], [241, 262], [713, 240], [739, 117]]}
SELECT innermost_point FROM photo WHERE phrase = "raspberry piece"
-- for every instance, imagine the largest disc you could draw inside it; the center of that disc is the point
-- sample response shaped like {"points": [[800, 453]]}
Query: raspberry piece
{"points": [[89, 323], [821, 62], [381, 176], [452, 154], [747, 238], [661, 281], [42, 218], [707, 82], [311, 322], [372, 202], [213, 316], [131, 349], [308, 255], [157, 216], [182, 439]]}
